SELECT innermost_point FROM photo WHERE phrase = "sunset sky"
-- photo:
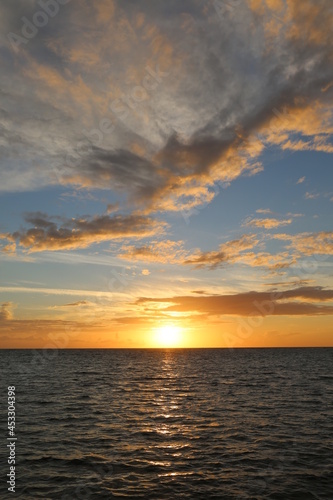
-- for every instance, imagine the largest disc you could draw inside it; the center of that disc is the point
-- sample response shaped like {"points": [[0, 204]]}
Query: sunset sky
{"points": [[166, 173]]}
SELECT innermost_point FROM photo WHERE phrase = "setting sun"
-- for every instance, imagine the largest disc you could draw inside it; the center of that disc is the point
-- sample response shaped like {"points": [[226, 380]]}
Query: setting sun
{"points": [[168, 336]]}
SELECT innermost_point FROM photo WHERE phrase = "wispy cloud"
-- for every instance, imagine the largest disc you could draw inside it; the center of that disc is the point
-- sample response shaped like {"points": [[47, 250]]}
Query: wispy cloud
{"points": [[267, 223], [165, 251], [54, 291], [79, 303], [264, 211], [311, 196], [228, 252], [242, 251]]}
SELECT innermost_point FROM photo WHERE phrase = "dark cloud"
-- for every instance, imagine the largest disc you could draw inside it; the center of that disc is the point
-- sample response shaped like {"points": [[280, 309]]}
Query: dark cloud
{"points": [[252, 303], [228, 74], [121, 169], [79, 303], [81, 233]]}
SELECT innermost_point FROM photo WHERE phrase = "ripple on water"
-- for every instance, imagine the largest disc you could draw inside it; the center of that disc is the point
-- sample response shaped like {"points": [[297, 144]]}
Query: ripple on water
{"points": [[166, 424]]}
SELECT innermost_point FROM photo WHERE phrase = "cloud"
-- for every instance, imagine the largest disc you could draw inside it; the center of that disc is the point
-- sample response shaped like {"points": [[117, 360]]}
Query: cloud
{"points": [[239, 251], [291, 214], [79, 303], [249, 250], [161, 104], [6, 313], [121, 169], [317, 144], [165, 251], [266, 260], [300, 180], [112, 207], [51, 334], [264, 211], [309, 243], [228, 252], [250, 303], [55, 291], [293, 283], [10, 249], [81, 233], [267, 223], [311, 196]]}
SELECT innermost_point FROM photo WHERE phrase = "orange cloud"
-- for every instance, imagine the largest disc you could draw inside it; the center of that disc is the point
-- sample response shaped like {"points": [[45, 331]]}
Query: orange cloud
{"points": [[251, 303], [264, 259], [6, 313], [309, 243], [311, 120], [308, 21], [80, 233], [228, 252], [268, 223], [166, 251]]}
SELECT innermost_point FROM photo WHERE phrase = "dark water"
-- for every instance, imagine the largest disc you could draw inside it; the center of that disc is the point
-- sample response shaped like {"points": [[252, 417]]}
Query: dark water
{"points": [[171, 424]]}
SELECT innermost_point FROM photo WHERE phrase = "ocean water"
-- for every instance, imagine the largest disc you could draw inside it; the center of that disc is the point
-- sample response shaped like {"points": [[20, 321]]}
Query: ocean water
{"points": [[170, 424]]}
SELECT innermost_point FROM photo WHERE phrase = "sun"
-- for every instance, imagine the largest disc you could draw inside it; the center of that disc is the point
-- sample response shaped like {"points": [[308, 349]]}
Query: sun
{"points": [[168, 336]]}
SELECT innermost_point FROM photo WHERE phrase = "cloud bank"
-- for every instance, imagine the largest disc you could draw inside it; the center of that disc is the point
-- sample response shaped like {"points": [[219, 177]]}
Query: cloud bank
{"points": [[161, 103], [80, 233], [277, 303]]}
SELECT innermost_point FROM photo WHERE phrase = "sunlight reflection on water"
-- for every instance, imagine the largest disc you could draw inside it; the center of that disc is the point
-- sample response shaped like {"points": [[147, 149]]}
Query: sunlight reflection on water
{"points": [[176, 424]]}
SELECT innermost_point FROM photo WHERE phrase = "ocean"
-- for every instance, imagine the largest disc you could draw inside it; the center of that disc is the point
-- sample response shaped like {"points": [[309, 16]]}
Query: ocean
{"points": [[169, 423]]}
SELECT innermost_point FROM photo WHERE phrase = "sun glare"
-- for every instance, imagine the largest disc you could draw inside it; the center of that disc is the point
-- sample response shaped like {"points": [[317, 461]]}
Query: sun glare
{"points": [[168, 336]]}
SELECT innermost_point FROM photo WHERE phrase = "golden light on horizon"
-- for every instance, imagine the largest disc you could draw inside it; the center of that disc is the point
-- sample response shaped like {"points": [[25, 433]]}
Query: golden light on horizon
{"points": [[168, 335]]}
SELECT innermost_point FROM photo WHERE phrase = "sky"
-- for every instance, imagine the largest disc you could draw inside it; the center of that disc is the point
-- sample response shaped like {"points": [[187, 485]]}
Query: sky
{"points": [[166, 173]]}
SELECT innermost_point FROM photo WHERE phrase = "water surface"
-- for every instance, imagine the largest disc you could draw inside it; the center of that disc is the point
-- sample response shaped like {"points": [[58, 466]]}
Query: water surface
{"points": [[171, 424]]}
